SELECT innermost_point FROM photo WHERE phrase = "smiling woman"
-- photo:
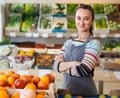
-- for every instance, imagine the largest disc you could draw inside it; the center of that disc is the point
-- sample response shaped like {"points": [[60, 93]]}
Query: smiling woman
{"points": [[80, 56]]}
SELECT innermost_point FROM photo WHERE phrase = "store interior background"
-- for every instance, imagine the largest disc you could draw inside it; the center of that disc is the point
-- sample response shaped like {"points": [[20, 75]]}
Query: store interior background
{"points": [[54, 40]]}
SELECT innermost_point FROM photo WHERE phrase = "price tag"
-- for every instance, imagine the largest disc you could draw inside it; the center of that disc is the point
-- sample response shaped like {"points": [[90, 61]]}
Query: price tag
{"points": [[35, 34], [45, 35], [28, 34], [74, 35], [117, 35], [103, 35], [59, 35], [12, 34], [22, 72]]}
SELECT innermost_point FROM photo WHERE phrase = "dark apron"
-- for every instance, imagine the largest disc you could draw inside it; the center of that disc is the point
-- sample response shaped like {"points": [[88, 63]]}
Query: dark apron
{"points": [[84, 86]]}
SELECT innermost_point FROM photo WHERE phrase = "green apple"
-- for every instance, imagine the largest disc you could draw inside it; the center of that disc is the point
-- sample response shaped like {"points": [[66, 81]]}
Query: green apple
{"points": [[114, 96], [67, 95], [102, 96]]}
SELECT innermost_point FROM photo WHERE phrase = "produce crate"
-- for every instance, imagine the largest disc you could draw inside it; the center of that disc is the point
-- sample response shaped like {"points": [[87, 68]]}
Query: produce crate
{"points": [[99, 9], [115, 92], [44, 61], [59, 24], [49, 93], [45, 24], [45, 9], [110, 65], [63, 93], [14, 22], [101, 25], [111, 10], [114, 24], [59, 9]]}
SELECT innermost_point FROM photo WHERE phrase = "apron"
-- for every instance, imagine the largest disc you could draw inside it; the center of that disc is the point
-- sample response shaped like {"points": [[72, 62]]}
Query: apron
{"points": [[81, 85]]}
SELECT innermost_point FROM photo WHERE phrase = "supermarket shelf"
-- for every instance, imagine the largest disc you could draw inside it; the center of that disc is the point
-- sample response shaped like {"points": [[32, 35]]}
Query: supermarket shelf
{"points": [[69, 33], [63, 1]]}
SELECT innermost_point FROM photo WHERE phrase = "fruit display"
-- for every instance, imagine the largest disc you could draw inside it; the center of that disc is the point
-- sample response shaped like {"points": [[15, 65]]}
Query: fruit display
{"points": [[114, 25], [45, 22], [98, 8], [44, 60], [24, 59], [111, 9], [112, 45], [14, 85], [45, 9], [68, 95], [27, 23], [16, 8], [101, 23]]}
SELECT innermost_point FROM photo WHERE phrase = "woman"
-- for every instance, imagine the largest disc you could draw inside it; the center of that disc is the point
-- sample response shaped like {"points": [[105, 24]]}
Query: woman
{"points": [[79, 57]]}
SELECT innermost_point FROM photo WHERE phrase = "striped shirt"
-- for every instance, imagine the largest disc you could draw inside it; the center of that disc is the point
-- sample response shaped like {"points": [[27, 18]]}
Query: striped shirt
{"points": [[90, 59]]}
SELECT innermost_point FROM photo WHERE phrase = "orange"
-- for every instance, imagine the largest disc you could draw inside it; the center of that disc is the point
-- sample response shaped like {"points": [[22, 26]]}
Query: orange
{"points": [[51, 77], [9, 73], [28, 80], [10, 80], [15, 75], [31, 76], [3, 93], [15, 95], [23, 76], [2, 88], [36, 79], [40, 96], [3, 77], [2, 82], [43, 85], [31, 86], [1, 73], [42, 92], [45, 78]]}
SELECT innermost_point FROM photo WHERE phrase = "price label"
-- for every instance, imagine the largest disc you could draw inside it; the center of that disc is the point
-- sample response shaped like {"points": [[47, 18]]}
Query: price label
{"points": [[28, 34], [59, 35], [103, 35], [12, 34], [35, 34], [45, 35]]}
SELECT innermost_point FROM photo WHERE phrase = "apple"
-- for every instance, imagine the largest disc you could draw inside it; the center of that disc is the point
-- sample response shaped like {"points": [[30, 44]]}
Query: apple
{"points": [[114, 96], [102, 96], [19, 83], [67, 95]]}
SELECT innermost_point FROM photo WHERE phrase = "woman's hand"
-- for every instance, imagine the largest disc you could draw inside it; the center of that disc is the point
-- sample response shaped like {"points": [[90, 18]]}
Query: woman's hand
{"points": [[59, 58]]}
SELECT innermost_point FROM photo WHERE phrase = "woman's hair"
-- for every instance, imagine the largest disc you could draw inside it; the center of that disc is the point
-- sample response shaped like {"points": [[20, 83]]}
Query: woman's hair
{"points": [[88, 7]]}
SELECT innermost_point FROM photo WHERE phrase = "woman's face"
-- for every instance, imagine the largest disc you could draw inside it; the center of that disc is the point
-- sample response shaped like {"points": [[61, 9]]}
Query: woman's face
{"points": [[83, 20]]}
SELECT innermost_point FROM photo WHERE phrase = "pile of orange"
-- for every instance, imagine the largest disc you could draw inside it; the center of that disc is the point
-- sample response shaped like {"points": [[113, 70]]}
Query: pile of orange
{"points": [[8, 80], [3, 93]]}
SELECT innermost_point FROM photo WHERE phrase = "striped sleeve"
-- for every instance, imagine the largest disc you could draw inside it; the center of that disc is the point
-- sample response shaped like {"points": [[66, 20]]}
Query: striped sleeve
{"points": [[90, 60], [55, 64]]}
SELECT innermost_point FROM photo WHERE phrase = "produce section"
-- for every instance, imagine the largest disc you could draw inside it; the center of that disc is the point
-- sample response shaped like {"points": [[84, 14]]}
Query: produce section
{"points": [[111, 25]]}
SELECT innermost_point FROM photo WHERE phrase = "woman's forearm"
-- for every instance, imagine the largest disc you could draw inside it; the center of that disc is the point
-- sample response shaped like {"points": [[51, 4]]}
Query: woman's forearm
{"points": [[64, 66]]}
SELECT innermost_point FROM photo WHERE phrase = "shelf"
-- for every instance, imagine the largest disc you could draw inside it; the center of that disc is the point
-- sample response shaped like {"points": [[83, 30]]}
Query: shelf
{"points": [[68, 34], [64, 1]]}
